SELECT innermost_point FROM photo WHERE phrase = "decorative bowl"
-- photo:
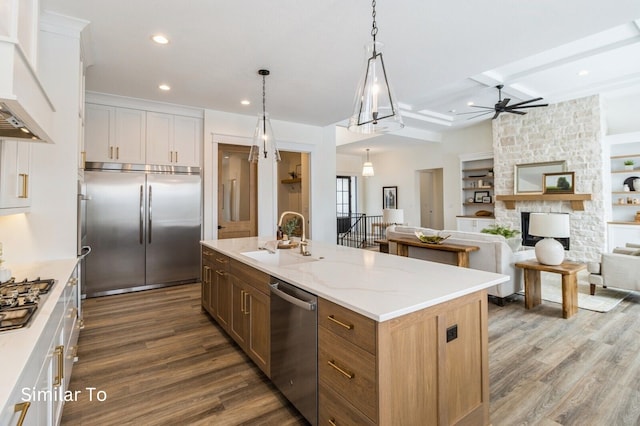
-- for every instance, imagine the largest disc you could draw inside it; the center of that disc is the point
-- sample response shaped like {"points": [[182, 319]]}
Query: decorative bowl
{"points": [[430, 239]]}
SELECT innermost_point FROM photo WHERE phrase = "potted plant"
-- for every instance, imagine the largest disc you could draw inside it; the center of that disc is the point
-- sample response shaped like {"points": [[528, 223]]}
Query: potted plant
{"points": [[628, 164], [511, 235], [290, 226]]}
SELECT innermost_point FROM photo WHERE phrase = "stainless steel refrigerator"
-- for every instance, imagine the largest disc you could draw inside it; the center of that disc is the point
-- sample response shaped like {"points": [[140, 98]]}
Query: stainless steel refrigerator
{"points": [[143, 224]]}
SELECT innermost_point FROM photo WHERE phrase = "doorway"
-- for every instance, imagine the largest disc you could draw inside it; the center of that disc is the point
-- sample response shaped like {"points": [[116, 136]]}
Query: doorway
{"points": [[237, 192], [431, 199], [293, 186]]}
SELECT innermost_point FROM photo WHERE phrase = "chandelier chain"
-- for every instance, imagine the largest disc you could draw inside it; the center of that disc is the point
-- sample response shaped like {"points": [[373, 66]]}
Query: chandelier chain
{"points": [[374, 25]]}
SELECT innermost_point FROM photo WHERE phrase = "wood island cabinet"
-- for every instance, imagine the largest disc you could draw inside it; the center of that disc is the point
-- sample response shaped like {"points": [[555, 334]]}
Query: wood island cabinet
{"points": [[237, 297], [426, 367]]}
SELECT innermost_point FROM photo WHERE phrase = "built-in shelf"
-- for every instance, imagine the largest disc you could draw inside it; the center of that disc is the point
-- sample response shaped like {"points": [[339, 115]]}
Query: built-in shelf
{"points": [[624, 223], [294, 180], [576, 200]]}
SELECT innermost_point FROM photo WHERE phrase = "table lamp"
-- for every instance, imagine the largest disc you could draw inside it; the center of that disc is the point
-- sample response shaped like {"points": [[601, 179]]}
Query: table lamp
{"points": [[393, 216], [549, 226]]}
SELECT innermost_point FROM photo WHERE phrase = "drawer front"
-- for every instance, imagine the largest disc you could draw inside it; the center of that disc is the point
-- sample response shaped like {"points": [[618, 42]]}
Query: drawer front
{"points": [[219, 261], [348, 370], [334, 410], [257, 279], [355, 328]]}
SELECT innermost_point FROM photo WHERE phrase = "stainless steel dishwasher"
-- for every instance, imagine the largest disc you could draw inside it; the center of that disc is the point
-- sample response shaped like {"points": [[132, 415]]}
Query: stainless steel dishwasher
{"points": [[294, 346]]}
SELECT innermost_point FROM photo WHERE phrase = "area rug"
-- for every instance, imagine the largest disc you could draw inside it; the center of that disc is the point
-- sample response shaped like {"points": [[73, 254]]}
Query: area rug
{"points": [[604, 300]]}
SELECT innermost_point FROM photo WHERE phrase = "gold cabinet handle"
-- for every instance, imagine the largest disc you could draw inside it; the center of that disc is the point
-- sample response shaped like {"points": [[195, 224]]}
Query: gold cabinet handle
{"points": [[111, 152], [221, 260], [332, 422], [23, 407], [340, 323], [205, 278], [219, 272], [176, 156], [117, 152], [72, 281], [345, 373], [246, 302], [59, 351], [206, 252], [171, 156], [25, 184], [242, 305]]}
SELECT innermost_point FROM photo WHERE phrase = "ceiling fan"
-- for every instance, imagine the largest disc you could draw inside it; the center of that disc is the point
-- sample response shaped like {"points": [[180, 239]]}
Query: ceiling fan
{"points": [[503, 106]]}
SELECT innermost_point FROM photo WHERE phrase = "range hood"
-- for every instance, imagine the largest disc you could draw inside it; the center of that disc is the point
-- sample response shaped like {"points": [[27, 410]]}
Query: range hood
{"points": [[13, 127]]}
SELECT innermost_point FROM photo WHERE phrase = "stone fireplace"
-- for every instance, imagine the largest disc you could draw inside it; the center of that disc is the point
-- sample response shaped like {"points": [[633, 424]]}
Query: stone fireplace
{"points": [[571, 131]]}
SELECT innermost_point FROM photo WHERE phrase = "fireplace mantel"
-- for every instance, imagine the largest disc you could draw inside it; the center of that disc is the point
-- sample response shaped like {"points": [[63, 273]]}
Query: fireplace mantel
{"points": [[576, 200]]}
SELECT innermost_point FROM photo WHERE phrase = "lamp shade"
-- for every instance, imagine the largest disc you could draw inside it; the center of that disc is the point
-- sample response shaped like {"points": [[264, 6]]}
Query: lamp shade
{"points": [[393, 216], [367, 169], [554, 225], [549, 225]]}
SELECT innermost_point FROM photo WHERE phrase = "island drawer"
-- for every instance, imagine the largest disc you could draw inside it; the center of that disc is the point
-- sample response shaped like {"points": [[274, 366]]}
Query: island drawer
{"points": [[257, 279], [349, 370], [352, 326], [334, 410], [219, 261]]}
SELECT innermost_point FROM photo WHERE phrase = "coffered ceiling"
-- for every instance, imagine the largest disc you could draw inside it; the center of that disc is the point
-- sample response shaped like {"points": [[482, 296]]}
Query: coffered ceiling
{"points": [[440, 55]]}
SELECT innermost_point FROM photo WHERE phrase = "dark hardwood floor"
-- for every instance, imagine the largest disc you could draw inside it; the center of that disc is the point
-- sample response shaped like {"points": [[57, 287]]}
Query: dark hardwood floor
{"points": [[162, 361]]}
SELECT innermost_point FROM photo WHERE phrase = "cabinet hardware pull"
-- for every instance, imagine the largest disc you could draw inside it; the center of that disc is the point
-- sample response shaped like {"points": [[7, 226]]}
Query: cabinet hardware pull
{"points": [[111, 152], [117, 152], [176, 156], [23, 190], [242, 301], [340, 323], [171, 156], [246, 303], [332, 422], [73, 281], [221, 260], [206, 252], [345, 373], [59, 351], [219, 272], [23, 407]]}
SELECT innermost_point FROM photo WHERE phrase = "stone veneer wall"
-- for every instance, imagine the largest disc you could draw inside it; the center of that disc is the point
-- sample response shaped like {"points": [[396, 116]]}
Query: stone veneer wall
{"points": [[570, 131]]}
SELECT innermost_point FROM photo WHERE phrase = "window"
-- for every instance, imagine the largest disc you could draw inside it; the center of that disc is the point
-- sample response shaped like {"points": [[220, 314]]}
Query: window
{"points": [[345, 186]]}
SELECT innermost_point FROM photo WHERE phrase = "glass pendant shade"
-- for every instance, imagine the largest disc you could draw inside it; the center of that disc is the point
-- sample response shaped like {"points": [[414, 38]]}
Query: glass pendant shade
{"points": [[263, 140], [375, 108], [367, 167]]}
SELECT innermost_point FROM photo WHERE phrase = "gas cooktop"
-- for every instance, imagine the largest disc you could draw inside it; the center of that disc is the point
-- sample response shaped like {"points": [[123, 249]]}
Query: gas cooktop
{"points": [[19, 301]]}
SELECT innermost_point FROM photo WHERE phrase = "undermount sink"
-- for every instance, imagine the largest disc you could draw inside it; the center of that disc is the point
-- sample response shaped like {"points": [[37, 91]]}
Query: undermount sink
{"points": [[279, 258]]}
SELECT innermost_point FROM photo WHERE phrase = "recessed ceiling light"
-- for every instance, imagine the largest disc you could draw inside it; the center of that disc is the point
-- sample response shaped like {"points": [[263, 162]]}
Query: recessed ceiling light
{"points": [[470, 103], [245, 102], [582, 73], [164, 87], [160, 39], [25, 130]]}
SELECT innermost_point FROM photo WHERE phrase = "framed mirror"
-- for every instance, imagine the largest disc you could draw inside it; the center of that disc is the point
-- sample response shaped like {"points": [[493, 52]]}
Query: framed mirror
{"points": [[528, 177]]}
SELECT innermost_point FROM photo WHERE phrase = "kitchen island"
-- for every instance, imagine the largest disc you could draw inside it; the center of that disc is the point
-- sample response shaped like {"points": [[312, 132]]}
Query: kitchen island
{"points": [[400, 340]]}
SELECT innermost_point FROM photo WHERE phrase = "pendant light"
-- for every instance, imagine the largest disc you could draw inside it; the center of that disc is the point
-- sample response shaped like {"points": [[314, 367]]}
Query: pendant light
{"points": [[367, 167], [376, 109], [263, 134]]}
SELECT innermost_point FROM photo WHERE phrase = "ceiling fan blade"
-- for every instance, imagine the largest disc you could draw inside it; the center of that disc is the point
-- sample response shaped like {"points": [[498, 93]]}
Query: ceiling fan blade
{"points": [[528, 106], [526, 102], [479, 115], [503, 103], [475, 112], [495, 115], [479, 106], [516, 112]]}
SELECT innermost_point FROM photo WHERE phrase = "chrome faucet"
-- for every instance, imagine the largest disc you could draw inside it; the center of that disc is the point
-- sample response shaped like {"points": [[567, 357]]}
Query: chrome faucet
{"points": [[303, 239]]}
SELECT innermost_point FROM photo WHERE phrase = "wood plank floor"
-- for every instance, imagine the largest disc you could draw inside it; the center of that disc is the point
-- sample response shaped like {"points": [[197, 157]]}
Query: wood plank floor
{"points": [[162, 361]]}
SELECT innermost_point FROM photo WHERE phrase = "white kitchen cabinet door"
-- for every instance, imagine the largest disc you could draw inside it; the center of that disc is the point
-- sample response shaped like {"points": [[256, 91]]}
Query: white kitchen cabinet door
{"points": [[173, 139], [618, 235], [159, 138], [99, 132], [130, 136], [15, 185], [187, 141], [473, 225]]}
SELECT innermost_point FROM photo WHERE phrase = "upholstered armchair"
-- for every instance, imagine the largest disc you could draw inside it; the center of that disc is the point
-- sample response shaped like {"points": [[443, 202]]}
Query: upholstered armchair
{"points": [[620, 269]]}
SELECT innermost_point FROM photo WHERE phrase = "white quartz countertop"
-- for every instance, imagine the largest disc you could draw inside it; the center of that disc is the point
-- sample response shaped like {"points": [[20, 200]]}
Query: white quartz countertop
{"points": [[17, 345], [377, 285]]}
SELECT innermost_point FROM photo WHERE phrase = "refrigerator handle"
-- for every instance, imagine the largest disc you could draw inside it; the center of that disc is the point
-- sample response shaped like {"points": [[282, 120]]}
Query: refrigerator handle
{"points": [[141, 214], [150, 219]]}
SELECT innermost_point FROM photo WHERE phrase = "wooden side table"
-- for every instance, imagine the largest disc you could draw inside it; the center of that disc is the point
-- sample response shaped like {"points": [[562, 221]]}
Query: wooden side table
{"points": [[384, 245], [532, 284]]}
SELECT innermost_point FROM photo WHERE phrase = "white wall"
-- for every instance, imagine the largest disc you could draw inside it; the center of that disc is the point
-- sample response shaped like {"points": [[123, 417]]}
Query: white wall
{"points": [[223, 127], [400, 168], [49, 230]]}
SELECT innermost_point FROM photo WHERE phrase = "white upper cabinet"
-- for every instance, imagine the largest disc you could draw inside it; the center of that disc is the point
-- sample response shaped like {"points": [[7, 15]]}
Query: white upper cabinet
{"points": [[114, 134], [15, 170], [173, 139]]}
